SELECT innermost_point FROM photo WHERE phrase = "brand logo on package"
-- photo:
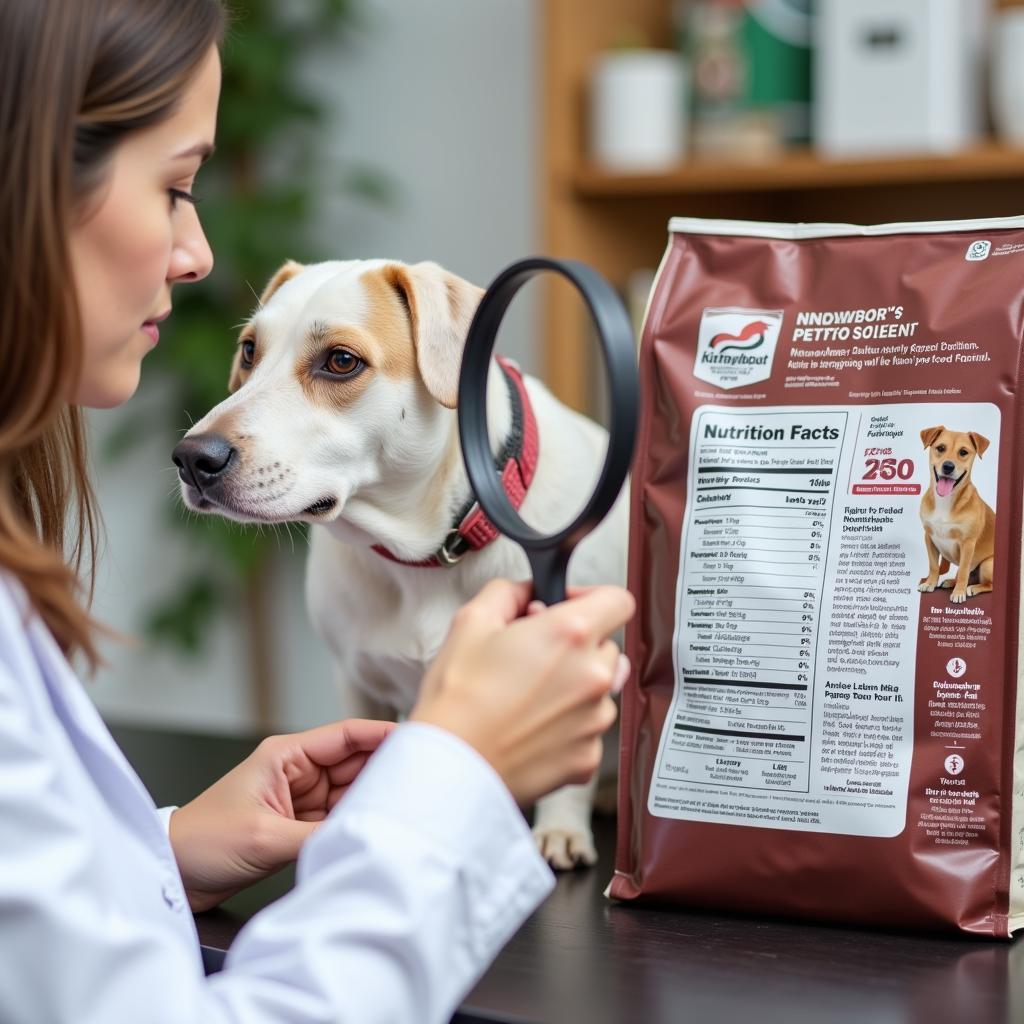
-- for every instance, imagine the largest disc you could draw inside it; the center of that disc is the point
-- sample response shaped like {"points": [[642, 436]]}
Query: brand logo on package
{"points": [[978, 250], [736, 347]]}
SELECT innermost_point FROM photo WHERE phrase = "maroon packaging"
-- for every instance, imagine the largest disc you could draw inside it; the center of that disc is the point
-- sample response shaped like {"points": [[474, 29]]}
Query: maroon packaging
{"points": [[825, 546]]}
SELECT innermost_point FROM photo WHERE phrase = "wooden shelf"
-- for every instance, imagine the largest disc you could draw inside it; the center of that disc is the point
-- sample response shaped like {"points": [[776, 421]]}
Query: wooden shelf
{"points": [[804, 169], [618, 223]]}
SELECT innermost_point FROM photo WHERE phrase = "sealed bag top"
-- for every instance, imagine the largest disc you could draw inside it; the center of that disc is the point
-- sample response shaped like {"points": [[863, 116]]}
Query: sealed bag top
{"points": [[825, 549]]}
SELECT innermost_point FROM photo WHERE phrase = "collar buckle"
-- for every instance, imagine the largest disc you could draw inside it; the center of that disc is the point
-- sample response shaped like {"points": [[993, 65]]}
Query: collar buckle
{"points": [[452, 549], [516, 463]]}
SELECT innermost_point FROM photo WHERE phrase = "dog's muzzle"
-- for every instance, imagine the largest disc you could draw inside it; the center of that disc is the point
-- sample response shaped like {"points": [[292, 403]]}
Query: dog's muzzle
{"points": [[204, 460], [946, 483]]}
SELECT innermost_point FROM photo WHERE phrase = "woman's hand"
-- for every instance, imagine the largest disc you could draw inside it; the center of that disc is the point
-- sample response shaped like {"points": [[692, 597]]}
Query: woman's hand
{"points": [[254, 820], [532, 694]]}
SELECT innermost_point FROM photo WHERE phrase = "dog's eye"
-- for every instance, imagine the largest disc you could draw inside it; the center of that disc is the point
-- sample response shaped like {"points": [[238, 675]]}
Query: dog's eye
{"points": [[248, 352], [964, 453], [343, 363], [940, 448]]}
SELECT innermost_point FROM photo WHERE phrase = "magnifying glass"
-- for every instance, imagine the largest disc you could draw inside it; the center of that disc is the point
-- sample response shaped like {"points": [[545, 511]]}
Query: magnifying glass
{"points": [[549, 554]]}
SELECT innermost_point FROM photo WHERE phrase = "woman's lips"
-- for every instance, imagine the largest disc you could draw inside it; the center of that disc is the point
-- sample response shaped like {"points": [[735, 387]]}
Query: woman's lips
{"points": [[151, 326]]}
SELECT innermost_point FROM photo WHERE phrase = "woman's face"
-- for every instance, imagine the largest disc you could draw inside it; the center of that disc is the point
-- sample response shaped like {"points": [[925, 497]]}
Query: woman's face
{"points": [[138, 235]]}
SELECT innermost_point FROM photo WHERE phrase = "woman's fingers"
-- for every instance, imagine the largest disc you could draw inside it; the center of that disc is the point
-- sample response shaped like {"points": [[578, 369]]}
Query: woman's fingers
{"points": [[623, 668], [344, 773], [622, 672], [332, 744], [594, 614], [530, 692], [497, 604]]}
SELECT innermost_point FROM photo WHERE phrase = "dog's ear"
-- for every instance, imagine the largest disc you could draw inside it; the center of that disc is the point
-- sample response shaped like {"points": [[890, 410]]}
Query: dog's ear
{"points": [[285, 272], [929, 434], [440, 307], [980, 442]]}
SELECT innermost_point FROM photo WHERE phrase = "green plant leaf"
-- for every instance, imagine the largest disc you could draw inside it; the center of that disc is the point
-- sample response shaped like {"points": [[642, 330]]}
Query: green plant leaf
{"points": [[183, 619]]}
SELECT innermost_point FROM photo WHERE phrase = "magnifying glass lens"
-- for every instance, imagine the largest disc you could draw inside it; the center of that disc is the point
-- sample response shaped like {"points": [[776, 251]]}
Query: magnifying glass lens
{"points": [[548, 548]]}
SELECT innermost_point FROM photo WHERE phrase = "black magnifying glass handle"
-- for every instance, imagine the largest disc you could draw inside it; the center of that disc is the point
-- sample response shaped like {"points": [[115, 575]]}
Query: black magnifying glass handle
{"points": [[550, 570], [549, 554]]}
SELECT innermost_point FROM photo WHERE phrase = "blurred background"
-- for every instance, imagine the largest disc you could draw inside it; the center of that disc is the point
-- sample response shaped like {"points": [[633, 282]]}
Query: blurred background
{"points": [[474, 134]]}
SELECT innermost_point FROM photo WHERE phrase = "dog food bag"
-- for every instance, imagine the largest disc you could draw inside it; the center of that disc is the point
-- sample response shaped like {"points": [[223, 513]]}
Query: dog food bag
{"points": [[824, 719]]}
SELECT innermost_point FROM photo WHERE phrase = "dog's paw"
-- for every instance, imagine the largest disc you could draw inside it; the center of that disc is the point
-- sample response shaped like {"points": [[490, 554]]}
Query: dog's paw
{"points": [[925, 587], [565, 849], [958, 597]]}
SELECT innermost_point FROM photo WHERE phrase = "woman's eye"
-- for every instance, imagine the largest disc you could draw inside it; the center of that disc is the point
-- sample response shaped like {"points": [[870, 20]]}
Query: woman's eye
{"points": [[180, 195], [343, 363], [248, 352]]}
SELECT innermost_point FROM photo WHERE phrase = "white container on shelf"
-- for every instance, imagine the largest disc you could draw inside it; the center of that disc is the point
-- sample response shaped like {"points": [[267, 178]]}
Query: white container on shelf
{"points": [[1007, 75], [899, 76], [638, 110]]}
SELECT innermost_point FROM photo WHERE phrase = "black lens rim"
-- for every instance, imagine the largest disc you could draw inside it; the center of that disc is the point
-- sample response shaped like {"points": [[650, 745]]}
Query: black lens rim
{"points": [[616, 341]]}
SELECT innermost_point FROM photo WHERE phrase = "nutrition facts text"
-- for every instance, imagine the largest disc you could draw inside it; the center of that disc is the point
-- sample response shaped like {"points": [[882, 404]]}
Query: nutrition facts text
{"points": [[754, 549]]}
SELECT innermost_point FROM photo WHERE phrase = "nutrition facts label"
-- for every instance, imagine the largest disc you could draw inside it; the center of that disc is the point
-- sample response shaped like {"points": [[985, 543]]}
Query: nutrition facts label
{"points": [[798, 613], [754, 554], [799, 609]]}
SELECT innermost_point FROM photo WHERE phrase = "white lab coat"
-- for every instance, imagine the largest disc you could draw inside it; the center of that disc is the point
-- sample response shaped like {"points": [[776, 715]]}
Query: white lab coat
{"points": [[403, 896]]}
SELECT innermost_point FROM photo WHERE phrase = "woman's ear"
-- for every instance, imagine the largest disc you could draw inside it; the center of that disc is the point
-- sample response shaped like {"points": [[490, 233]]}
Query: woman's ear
{"points": [[440, 307]]}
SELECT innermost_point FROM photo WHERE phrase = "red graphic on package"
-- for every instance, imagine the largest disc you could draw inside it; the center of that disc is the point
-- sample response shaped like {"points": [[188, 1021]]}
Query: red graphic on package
{"points": [[750, 337]]}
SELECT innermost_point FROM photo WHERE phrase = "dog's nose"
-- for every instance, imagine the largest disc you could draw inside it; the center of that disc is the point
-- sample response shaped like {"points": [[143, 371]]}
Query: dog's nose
{"points": [[202, 458], [948, 467]]}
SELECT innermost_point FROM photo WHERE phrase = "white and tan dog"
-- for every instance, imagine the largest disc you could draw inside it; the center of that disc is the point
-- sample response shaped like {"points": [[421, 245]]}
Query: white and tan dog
{"points": [[342, 416]]}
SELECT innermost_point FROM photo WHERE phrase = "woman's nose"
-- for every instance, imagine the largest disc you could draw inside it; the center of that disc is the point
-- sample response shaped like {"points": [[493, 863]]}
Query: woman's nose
{"points": [[191, 256]]}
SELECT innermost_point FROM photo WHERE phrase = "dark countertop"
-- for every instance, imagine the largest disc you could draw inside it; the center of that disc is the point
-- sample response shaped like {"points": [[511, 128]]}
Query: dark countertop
{"points": [[582, 958]]}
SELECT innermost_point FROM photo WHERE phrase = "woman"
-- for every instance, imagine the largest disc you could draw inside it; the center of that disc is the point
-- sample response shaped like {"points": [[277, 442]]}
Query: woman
{"points": [[405, 892]]}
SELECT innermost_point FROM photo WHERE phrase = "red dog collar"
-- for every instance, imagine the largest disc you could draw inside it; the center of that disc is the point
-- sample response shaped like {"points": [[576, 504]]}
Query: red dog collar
{"points": [[516, 463]]}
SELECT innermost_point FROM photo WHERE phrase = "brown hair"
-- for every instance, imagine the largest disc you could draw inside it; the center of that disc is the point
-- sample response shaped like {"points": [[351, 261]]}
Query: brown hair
{"points": [[75, 79]]}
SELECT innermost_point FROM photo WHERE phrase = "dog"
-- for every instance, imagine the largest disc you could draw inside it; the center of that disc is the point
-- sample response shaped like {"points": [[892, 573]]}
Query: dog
{"points": [[341, 414], [959, 528]]}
